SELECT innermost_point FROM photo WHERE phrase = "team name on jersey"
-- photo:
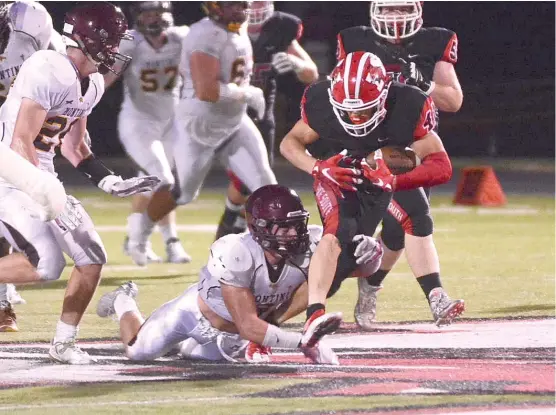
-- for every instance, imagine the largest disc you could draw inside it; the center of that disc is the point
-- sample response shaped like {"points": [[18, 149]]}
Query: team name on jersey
{"points": [[273, 298], [163, 63], [75, 112], [10, 72]]}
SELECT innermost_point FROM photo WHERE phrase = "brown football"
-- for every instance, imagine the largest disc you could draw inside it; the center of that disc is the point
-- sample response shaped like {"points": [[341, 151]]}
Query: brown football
{"points": [[398, 159]]}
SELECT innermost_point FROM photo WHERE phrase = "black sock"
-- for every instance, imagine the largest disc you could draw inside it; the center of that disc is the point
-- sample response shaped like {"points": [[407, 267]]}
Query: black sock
{"points": [[229, 218], [312, 308], [429, 282], [376, 279]]}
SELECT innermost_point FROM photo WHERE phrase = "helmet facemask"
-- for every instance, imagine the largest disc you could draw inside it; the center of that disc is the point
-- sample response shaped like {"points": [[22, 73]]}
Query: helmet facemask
{"points": [[162, 11], [257, 16], [396, 20], [286, 238]]}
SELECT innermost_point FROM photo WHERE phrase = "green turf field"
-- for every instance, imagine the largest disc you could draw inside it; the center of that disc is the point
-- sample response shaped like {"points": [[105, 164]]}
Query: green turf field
{"points": [[501, 261]]}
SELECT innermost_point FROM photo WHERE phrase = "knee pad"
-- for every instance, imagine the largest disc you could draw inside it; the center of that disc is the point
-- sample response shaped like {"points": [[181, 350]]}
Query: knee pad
{"points": [[92, 251], [421, 225], [392, 234], [51, 266]]}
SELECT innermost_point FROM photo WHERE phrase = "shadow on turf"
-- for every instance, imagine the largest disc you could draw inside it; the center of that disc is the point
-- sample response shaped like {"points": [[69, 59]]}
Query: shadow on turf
{"points": [[522, 308]]}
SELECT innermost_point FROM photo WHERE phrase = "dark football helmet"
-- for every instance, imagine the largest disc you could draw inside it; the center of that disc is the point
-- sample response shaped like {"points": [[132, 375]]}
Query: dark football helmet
{"points": [[231, 14], [164, 17], [275, 207], [97, 29], [5, 26]]}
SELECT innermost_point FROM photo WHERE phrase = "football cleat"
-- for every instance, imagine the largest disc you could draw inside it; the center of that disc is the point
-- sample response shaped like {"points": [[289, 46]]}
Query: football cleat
{"points": [[144, 256], [69, 353], [256, 353], [13, 296], [444, 309], [321, 354], [7, 317], [105, 306], [319, 325], [175, 252], [365, 309]]}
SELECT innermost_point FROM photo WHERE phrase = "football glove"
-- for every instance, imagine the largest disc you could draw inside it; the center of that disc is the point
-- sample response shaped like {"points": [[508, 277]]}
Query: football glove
{"points": [[254, 97], [284, 63], [71, 217], [339, 177], [381, 176], [117, 186], [414, 77], [368, 249]]}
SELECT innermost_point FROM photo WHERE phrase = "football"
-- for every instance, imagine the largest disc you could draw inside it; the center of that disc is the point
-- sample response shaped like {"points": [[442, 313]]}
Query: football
{"points": [[398, 159]]}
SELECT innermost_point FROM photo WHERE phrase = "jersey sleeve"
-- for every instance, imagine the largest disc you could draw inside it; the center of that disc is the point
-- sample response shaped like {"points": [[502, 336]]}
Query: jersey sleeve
{"points": [[427, 119], [209, 41], [291, 27], [444, 44], [231, 262], [32, 19]]}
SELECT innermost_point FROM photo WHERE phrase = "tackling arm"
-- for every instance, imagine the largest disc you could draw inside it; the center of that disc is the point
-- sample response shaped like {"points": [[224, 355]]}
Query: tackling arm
{"points": [[241, 304], [304, 67], [447, 93], [294, 143]]}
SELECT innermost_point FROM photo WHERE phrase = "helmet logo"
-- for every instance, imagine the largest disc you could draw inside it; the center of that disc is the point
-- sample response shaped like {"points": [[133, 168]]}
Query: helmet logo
{"points": [[103, 34]]}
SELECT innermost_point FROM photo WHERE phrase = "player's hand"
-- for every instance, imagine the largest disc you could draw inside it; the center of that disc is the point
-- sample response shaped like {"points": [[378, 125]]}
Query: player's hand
{"points": [[283, 63], [255, 99], [413, 76], [381, 176], [339, 177], [368, 249], [117, 186]]}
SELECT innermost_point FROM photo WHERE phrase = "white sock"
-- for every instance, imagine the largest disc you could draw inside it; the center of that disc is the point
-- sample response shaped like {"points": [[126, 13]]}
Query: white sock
{"points": [[65, 332], [3, 292], [124, 303], [232, 206], [168, 231], [139, 227]]}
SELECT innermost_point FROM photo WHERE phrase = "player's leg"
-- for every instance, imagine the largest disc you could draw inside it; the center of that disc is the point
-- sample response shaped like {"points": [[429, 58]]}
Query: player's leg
{"points": [[233, 218], [84, 246], [175, 253]]}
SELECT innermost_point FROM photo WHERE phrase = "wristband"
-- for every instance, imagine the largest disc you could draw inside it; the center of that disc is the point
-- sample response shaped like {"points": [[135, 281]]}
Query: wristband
{"points": [[94, 169], [276, 337]]}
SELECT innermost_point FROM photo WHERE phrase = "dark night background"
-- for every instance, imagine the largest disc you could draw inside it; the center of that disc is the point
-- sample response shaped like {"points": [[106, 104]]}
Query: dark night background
{"points": [[506, 69]]}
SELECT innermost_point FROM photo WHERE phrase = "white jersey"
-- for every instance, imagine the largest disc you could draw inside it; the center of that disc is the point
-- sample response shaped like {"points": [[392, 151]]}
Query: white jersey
{"points": [[50, 79], [235, 55], [152, 82], [32, 31], [238, 260]]}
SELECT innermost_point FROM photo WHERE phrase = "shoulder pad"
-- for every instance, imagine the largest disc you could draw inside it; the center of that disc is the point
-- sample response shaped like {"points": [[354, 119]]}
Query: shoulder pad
{"points": [[30, 17], [230, 254], [54, 65], [291, 26], [178, 32]]}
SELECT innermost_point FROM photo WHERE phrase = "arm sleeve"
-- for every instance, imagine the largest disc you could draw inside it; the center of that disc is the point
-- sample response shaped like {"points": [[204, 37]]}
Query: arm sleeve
{"points": [[427, 119]]}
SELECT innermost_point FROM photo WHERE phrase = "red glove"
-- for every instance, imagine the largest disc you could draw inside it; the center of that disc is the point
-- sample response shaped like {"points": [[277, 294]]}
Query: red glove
{"points": [[380, 177], [329, 171]]}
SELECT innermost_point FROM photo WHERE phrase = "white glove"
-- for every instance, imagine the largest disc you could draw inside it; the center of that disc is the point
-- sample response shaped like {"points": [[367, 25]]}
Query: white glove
{"points": [[283, 63], [254, 97], [322, 354], [71, 217], [368, 249], [117, 186]]}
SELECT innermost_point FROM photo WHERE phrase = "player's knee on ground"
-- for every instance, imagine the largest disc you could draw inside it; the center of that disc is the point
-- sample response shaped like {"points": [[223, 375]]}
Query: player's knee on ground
{"points": [[50, 264], [146, 345]]}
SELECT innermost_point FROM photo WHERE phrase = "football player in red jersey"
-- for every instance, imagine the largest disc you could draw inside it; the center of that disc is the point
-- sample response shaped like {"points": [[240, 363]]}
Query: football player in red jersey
{"points": [[424, 58], [276, 51], [360, 110]]}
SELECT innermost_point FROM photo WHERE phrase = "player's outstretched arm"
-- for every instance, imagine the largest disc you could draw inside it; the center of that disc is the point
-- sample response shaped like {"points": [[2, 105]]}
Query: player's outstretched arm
{"points": [[293, 146], [304, 67], [76, 149], [241, 304]]}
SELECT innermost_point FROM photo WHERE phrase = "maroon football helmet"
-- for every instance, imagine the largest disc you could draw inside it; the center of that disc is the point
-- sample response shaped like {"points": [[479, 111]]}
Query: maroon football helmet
{"points": [[230, 14], [97, 29], [275, 207]]}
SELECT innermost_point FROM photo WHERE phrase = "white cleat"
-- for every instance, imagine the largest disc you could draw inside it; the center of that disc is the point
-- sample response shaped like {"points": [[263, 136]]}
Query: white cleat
{"points": [[13, 296], [365, 309], [321, 354], [141, 255], [175, 252], [444, 309], [69, 353], [105, 306]]}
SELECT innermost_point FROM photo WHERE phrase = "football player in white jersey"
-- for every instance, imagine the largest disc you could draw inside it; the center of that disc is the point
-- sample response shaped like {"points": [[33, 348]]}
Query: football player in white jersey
{"points": [[146, 120], [25, 27], [249, 280], [212, 120], [47, 106]]}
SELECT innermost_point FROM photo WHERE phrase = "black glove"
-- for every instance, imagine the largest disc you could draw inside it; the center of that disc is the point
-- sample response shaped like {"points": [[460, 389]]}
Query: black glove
{"points": [[414, 77]]}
